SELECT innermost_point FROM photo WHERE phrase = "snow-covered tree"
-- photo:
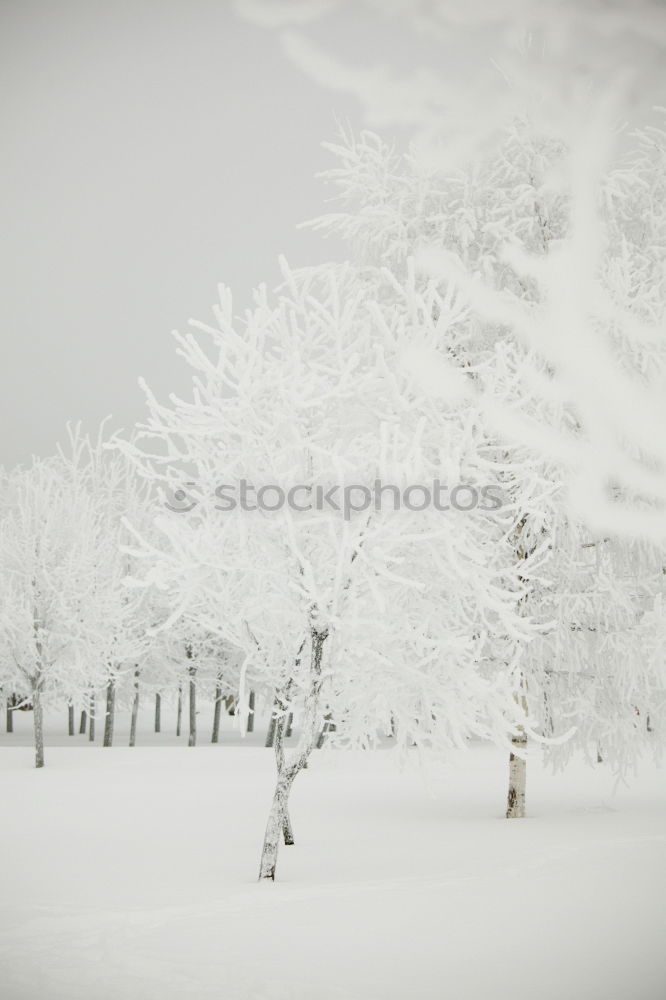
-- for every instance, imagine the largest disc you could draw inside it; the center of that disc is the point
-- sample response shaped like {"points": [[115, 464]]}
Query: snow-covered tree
{"points": [[359, 613], [48, 550], [598, 667], [70, 626], [406, 226], [120, 618]]}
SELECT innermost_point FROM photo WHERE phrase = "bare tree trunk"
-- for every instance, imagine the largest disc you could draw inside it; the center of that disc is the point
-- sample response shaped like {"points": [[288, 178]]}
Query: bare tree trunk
{"points": [[270, 733], [287, 832], [275, 828], [9, 717], [135, 710], [328, 727], [279, 820], [70, 720], [250, 713], [549, 724], [91, 714], [158, 712], [515, 806], [179, 710], [38, 722], [230, 704], [110, 713], [517, 777], [84, 719], [288, 727], [217, 712], [192, 738], [279, 824]]}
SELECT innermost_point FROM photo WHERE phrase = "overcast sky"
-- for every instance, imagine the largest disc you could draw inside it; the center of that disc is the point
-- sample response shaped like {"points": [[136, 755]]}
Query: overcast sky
{"points": [[153, 148], [150, 150]]}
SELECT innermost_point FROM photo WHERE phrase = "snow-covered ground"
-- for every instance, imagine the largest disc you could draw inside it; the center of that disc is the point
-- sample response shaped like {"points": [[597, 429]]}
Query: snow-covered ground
{"points": [[129, 874]]}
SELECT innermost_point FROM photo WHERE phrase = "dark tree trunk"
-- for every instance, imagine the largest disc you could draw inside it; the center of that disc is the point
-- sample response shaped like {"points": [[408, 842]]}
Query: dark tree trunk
{"points": [[270, 733], [328, 727], [250, 713], [110, 713], [158, 712], [179, 710], [217, 712], [230, 704], [9, 717], [192, 738], [70, 720], [135, 710], [82, 724], [91, 723]]}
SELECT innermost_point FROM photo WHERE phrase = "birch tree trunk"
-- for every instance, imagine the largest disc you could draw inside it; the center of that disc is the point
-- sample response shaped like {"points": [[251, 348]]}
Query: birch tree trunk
{"points": [[135, 710], [158, 712], [82, 723], [70, 720], [217, 712], [192, 738], [515, 808], [287, 831], [179, 710], [278, 826], [110, 713], [275, 828], [279, 823], [91, 716], [38, 722]]}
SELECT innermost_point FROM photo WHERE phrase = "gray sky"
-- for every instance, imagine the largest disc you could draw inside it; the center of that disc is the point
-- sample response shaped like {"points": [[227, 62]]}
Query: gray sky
{"points": [[151, 150]]}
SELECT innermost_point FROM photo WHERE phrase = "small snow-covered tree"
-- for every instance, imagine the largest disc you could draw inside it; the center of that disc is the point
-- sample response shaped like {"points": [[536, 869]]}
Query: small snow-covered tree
{"points": [[48, 536], [70, 625], [597, 667], [119, 618]]}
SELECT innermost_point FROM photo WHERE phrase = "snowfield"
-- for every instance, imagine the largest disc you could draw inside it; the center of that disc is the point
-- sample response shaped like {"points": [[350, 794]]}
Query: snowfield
{"points": [[130, 874]]}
